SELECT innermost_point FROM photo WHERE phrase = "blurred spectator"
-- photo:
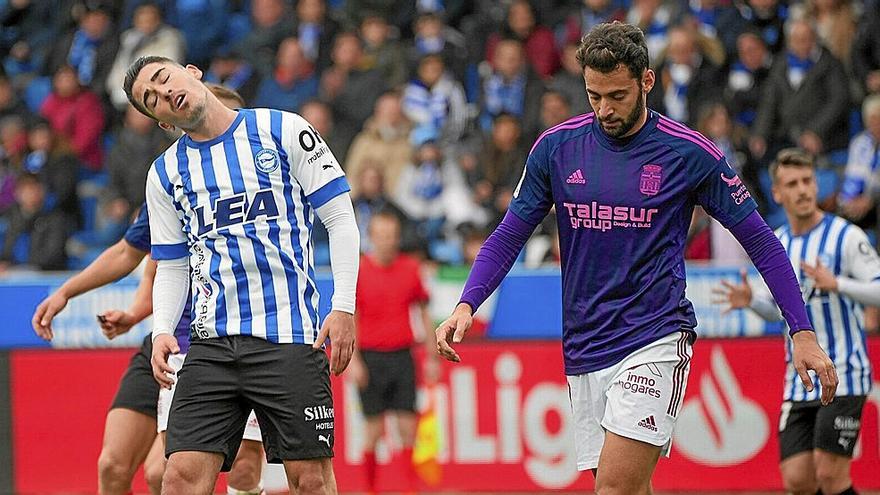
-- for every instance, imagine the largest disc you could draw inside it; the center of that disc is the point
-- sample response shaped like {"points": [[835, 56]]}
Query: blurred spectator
{"points": [[149, 36], [498, 166], [586, 15], [10, 103], [655, 18], [320, 116], [135, 146], [315, 31], [861, 187], [512, 87], [768, 18], [229, 69], [555, 109], [384, 141], [570, 81], [433, 98], [399, 13], [719, 20], [432, 189], [27, 27], [686, 78], [538, 41], [473, 240], [835, 22], [36, 234], [866, 51], [293, 82], [370, 198], [56, 166], [806, 100], [13, 141], [433, 37], [271, 23], [76, 114], [747, 77], [350, 90], [89, 48], [382, 52]]}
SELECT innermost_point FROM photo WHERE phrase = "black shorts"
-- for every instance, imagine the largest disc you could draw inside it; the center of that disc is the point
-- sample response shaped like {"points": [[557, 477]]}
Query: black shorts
{"points": [[805, 426], [222, 379], [138, 389], [391, 383]]}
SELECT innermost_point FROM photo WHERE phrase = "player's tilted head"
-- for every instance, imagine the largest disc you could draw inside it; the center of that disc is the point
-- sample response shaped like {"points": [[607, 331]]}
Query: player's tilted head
{"points": [[167, 92], [611, 44]]}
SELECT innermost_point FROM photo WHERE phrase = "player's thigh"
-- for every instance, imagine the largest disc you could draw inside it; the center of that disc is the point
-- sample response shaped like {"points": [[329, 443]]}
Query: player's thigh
{"points": [[138, 390], [838, 425], [626, 466], [644, 396], [288, 386], [207, 412], [128, 436]]}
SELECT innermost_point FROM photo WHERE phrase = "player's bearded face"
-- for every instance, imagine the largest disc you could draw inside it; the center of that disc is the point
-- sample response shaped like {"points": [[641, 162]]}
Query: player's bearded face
{"points": [[172, 94], [617, 98], [796, 190]]}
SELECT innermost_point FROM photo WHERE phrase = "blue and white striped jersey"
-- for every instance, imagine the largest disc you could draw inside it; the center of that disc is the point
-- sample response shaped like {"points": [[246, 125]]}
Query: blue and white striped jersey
{"points": [[241, 207], [844, 249]]}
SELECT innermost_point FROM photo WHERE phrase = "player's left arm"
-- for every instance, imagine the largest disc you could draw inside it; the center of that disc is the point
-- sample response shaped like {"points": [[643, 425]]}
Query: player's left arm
{"points": [[725, 197], [316, 169], [859, 276]]}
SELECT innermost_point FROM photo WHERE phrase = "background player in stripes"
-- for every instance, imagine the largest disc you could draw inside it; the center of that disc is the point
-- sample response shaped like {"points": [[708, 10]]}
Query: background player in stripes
{"points": [[624, 182], [838, 271], [129, 438], [232, 202]]}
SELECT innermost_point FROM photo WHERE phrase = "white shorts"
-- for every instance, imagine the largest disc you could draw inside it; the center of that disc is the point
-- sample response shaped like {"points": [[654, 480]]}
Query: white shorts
{"points": [[251, 429], [637, 398]]}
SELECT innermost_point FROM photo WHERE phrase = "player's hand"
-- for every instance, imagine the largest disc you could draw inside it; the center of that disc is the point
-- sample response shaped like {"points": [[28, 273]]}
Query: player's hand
{"points": [[736, 296], [857, 208], [453, 330], [357, 372], [339, 326], [45, 312], [115, 323], [807, 355], [823, 277], [163, 346]]}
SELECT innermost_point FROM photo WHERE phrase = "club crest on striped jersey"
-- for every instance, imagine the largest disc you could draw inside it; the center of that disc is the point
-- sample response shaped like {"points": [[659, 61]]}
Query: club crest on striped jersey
{"points": [[650, 180], [267, 160]]}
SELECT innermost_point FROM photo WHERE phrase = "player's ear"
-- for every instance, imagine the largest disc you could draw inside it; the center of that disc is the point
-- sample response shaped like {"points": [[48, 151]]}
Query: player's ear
{"points": [[195, 71], [648, 80], [165, 126]]}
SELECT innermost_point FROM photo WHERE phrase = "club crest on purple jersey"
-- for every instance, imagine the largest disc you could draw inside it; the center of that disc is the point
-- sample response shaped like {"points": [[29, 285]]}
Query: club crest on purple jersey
{"points": [[649, 182]]}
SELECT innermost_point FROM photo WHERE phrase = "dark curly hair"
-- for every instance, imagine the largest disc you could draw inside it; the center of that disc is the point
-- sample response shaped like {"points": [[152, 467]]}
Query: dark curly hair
{"points": [[608, 45]]}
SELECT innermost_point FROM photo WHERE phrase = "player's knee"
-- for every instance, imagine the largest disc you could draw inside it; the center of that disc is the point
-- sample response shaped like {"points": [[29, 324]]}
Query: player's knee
{"points": [[800, 485], [177, 480], [245, 473], [831, 479], [114, 468], [309, 483], [153, 472]]}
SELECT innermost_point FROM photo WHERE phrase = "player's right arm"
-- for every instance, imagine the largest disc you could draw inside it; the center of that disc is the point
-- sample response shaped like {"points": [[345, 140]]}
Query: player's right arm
{"points": [[531, 202], [115, 322], [114, 263], [170, 249]]}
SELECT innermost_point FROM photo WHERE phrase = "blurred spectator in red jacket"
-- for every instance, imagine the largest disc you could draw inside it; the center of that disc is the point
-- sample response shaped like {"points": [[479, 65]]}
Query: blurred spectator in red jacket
{"points": [[76, 114]]}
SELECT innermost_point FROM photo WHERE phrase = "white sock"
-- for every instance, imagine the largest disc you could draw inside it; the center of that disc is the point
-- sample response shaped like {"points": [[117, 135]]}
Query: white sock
{"points": [[257, 490]]}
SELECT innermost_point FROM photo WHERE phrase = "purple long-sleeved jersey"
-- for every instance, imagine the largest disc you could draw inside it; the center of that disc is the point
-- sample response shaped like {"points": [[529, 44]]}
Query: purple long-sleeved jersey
{"points": [[623, 208]]}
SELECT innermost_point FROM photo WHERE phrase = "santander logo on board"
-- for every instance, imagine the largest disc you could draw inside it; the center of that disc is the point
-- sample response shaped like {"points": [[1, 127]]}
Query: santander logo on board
{"points": [[721, 426]]}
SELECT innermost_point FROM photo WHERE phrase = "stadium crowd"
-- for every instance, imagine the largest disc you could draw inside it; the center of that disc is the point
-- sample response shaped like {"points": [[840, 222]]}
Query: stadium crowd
{"points": [[430, 105]]}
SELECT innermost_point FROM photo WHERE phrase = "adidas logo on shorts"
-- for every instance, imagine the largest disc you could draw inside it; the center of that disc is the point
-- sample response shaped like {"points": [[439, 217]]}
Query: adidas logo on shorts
{"points": [[648, 423]]}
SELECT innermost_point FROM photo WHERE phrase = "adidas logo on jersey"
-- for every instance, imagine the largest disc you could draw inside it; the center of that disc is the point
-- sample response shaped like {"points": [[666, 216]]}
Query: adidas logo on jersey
{"points": [[576, 178], [648, 423]]}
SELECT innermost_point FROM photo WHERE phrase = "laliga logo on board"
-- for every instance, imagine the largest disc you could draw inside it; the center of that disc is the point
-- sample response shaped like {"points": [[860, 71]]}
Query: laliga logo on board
{"points": [[721, 427]]}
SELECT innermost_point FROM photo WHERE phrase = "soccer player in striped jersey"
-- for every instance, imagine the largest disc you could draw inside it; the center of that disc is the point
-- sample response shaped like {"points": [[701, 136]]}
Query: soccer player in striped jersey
{"points": [[624, 181], [232, 203], [130, 430], [839, 271]]}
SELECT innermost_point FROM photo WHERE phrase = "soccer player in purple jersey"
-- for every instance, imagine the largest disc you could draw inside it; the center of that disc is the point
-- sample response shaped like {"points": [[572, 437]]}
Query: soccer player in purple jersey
{"points": [[624, 181]]}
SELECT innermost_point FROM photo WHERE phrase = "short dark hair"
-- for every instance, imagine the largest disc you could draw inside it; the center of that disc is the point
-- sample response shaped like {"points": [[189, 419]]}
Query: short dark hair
{"points": [[608, 45], [131, 74], [791, 157]]}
